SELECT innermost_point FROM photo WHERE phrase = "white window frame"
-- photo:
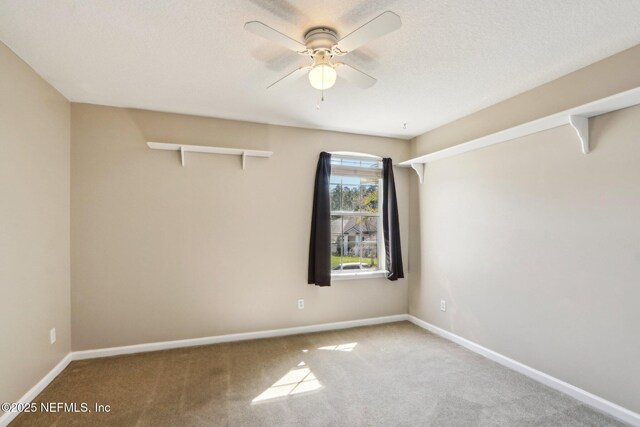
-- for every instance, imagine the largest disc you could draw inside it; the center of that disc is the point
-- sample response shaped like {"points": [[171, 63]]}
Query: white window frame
{"points": [[381, 271]]}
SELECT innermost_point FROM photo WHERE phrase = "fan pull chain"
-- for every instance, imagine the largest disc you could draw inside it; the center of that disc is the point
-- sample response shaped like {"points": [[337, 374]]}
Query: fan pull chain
{"points": [[321, 99], [321, 91]]}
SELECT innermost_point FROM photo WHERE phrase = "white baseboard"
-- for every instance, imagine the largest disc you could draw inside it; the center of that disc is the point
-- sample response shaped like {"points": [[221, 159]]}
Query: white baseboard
{"points": [[583, 396], [575, 392], [141, 348], [7, 417]]}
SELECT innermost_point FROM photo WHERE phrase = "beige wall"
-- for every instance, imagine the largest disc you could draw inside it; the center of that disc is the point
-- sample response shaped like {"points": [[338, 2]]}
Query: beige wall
{"points": [[612, 75], [165, 252], [536, 249], [34, 226]]}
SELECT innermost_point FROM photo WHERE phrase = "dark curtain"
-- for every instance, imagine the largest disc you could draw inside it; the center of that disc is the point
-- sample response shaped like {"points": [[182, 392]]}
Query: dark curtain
{"points": [[320, 243], [390, 224]]}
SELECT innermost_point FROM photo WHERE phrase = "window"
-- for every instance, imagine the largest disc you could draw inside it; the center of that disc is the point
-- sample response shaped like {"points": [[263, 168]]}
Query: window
{"points": [[356, 218], [354, 232]]}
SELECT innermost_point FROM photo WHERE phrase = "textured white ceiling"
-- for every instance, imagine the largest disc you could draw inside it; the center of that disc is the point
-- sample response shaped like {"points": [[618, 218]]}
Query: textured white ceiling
{"points": [[450, 58]]}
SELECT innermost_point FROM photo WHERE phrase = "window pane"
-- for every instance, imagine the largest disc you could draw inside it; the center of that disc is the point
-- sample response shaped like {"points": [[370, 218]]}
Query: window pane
{"points": [[352, 239], [336, 251], [370, 255], [337, 242], [350, 197], [370, 242], [350, 226], [335, 195], [350, 235], [368, 197], [370, 228]]}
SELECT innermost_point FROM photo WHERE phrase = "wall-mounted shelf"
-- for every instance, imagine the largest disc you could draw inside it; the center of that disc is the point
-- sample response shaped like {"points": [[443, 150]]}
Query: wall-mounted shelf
{"points": [[183, 148], [577, 117]]}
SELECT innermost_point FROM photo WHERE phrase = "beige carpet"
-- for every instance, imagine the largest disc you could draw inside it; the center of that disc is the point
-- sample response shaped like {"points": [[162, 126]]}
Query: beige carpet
{"points": [[392, 375]]}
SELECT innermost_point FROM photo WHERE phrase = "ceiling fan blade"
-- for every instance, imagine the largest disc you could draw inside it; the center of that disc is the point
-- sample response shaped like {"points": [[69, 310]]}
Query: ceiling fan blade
{"points": [[291, 76], [355, 76], [263, 30], [377, 27]]}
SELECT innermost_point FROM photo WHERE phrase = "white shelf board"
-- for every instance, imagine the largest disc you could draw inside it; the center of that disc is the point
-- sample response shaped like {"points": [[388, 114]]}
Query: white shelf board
{"points": [[184, 148], [577, 117]]}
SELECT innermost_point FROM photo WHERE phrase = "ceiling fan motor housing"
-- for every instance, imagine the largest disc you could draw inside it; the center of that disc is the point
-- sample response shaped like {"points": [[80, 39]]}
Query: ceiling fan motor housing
{"points": [[320, 38]]}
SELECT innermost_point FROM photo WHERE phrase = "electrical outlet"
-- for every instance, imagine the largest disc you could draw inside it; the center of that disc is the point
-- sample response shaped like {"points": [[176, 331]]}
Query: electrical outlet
{"points": [[443, 305], [300, 304], [52, 335]]}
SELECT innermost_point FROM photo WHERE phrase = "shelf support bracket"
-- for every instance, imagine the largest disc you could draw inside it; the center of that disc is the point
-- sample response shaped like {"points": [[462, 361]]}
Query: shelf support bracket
{"points": [[581, 126], [419, 168], [182, 155], [244, 159]]}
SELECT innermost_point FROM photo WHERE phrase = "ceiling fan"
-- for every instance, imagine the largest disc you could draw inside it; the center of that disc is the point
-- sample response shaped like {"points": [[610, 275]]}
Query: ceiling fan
{"points": [[321, 45]]}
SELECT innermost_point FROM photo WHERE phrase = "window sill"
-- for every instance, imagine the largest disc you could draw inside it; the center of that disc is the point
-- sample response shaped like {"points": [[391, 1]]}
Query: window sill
{"points": [[361, 275]]}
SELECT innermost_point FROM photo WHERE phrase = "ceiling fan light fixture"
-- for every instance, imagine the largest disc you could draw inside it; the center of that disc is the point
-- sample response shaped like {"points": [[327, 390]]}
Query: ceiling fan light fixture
{"points": [[322, 76]]}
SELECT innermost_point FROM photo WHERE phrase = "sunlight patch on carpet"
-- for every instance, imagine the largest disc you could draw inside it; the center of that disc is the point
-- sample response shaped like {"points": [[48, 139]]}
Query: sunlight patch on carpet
{"points": [[298, 380], [340, 347]]}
